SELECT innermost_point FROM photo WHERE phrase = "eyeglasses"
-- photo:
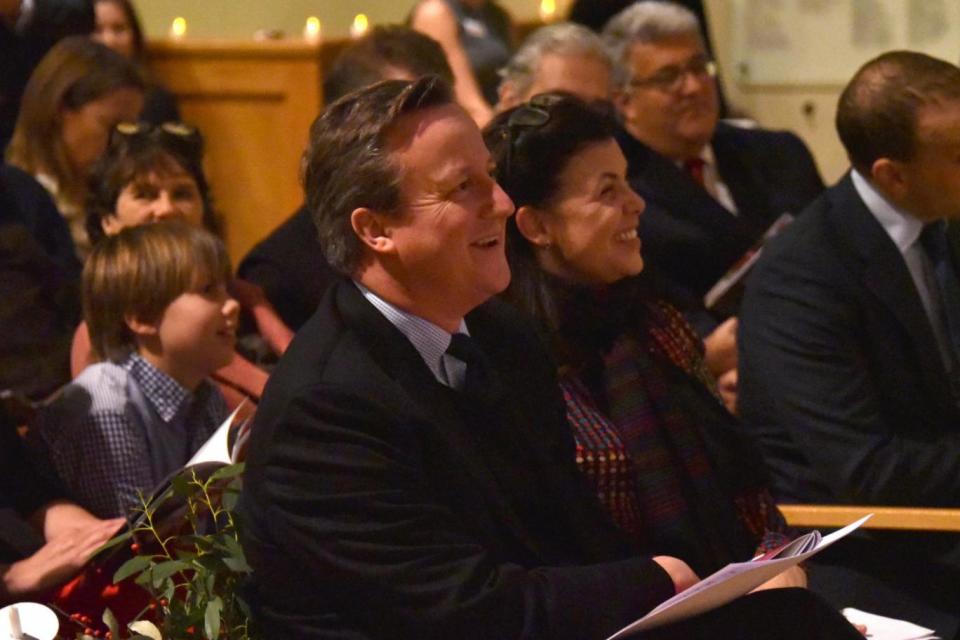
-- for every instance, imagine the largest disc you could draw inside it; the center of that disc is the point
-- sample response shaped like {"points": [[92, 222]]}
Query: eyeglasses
{"points": [[531, 115], [670, 79], [183, 138]]}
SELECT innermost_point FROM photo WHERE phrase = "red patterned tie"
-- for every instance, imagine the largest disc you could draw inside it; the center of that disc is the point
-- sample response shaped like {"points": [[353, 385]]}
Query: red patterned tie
{"points": [[694, 167]]}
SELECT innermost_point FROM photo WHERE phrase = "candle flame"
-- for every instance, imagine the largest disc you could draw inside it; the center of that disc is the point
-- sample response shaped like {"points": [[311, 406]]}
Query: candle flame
{"points": [[548, 10], [311, 30], [179, 27], [359, 26]]}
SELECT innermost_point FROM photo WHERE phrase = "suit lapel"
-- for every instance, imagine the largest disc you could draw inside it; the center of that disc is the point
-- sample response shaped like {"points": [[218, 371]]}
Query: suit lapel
{"points": [[429, 401], [746, 184], [662, 182], [884, 273]]}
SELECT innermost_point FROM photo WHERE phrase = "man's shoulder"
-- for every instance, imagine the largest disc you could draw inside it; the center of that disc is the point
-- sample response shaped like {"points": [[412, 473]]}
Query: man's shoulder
{"points": [[751, 137], [817, 244], [296, 233]]}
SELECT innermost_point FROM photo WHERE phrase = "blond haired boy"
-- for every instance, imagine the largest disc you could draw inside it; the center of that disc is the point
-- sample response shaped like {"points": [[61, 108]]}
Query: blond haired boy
{"points": [[161, 320]]}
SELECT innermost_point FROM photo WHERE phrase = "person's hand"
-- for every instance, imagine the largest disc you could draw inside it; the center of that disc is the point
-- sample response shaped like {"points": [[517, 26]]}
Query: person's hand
{"points": [[721, 348], [795, 576], [727, 385], [679, 571], [58, 560]]}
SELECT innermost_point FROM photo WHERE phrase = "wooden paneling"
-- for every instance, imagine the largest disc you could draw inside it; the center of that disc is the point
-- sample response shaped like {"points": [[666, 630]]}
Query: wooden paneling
{"points": [[903, 518], [254, 102]]}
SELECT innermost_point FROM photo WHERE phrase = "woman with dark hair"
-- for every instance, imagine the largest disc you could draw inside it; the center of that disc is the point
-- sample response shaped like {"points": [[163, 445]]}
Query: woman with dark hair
{"points": [[118, 27], [653, 437], [154, 173]]}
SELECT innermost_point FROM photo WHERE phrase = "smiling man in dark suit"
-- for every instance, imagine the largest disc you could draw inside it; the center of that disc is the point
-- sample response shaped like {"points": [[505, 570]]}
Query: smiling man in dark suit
{"points": [[850, 334], [712, 188], [410, 473]]}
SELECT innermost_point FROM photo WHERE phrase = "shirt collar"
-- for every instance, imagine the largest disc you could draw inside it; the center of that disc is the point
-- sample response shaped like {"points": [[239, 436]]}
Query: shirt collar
{"points": [[903, 228], [428, 339], [166, 395]]}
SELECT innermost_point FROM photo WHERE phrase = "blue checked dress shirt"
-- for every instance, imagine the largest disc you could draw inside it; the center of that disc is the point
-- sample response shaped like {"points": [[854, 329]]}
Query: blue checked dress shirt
{"points": [[121, 429]]}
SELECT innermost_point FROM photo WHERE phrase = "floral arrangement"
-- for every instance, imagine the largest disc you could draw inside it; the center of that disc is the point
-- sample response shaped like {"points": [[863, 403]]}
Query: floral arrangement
{"points": [[188, 560]]}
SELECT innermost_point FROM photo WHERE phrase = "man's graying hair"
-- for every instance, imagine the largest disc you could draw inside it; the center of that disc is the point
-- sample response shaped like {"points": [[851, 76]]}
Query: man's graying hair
{"points": [[645, 22], [566, 38], [347, 164]]}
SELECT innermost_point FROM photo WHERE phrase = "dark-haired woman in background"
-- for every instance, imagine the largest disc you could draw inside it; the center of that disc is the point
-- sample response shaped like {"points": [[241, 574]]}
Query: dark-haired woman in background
{"points": [[653, 436], [118, 27]]}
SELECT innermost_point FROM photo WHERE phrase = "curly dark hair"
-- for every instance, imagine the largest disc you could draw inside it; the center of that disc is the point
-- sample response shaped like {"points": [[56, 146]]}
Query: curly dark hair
{"points": [[148, 149]]}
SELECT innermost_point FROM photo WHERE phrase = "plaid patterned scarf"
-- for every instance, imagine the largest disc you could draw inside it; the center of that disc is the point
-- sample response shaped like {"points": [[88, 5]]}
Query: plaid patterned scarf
{"points": [[653, 437]]}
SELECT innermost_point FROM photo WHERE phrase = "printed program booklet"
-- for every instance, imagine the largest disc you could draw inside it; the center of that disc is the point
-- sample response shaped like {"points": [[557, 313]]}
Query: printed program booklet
{"points": [[735, 580]]}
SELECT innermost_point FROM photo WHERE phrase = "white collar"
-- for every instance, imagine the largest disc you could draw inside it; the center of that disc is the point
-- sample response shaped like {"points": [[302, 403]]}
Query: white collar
{"points": [[430, 340], [902, 227]]}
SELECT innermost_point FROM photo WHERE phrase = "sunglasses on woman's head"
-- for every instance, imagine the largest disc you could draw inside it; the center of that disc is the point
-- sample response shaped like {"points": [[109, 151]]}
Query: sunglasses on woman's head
{"points": [[183, 137]]}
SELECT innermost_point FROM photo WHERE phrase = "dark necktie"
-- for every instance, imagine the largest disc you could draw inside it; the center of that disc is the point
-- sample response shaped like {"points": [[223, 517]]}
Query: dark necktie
{"points": [[934, 241], [936, 245], [694, 168], [481, 383]]}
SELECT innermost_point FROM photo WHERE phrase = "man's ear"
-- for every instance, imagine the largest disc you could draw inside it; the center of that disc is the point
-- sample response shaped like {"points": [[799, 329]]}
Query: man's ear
{"points": [[141, 328], [530, 223], [370, 228], [889, 176]]}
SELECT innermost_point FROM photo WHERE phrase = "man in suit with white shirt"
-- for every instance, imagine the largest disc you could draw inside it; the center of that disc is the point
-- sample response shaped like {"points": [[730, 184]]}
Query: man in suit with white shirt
{"points": [[410, 456], [712, 188], [850, 336]]}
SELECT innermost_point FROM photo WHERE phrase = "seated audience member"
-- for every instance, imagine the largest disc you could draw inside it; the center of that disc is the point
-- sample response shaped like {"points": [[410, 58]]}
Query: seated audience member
{"points": [[156, 304], [849, 342], [28, 28], [149, 174], [76, 95], [409, 453], [288, 264], [39, 286], [652, 435], [560, 57], [477, 38], [119, 28], [71, 534], [712, 189]]}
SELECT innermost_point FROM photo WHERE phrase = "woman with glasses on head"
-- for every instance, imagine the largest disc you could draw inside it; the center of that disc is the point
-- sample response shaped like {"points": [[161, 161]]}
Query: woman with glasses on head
{"points": [[154, 173], [653, 436]]}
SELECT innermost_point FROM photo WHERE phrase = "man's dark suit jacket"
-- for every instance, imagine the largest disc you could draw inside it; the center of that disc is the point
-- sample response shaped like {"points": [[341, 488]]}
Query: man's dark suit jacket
{"points": [[289, 265], [690, 239], [379, 503], [842, 382]]}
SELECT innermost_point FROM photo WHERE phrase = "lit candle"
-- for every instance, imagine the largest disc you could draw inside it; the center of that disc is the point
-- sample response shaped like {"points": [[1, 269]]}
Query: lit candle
{"points": [[548, 10], [359, 26], [311, 30], [179, 28]]}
